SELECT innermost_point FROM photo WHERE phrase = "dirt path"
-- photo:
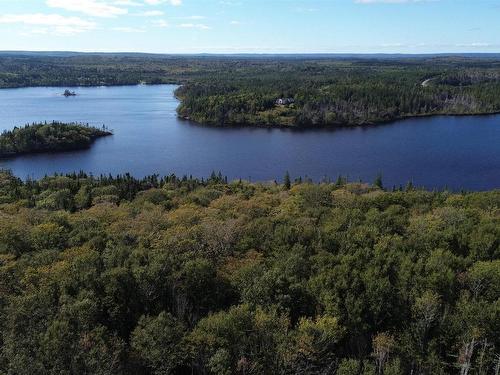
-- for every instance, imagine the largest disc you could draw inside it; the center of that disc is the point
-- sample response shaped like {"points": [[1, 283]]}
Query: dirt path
{"points": [[427, 81]]}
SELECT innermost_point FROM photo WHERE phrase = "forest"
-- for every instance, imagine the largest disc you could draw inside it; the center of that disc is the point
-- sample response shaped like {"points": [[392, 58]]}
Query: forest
{"points": [[168, 275], [243, 90], [341, 93], [48, 137]]}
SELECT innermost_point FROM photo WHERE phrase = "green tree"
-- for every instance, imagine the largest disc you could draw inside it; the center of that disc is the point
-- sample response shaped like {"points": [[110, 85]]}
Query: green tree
{"points": [[378, 181], [286, 181], [240, 338], [159, 343]]}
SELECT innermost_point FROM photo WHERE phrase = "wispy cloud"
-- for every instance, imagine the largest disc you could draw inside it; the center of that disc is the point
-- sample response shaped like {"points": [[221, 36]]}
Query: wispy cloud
{"points": [[45, 19], [128, 3], [193, 18], [89, 7], [393, 45], [199, 26], [158, 2], [474, 45], [128, 29], [150, 13], [50, 23]]}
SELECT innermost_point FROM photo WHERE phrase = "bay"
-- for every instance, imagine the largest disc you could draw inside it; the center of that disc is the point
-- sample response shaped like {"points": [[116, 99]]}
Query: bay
{"points": [[433, 152]]}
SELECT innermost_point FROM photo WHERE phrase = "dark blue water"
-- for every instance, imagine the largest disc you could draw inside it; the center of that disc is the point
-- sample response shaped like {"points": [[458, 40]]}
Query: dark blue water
{"points": [[458, 152]]}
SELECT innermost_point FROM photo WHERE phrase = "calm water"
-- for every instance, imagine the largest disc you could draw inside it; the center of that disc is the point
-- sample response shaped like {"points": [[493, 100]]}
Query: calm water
{"points": [[458, 152]]}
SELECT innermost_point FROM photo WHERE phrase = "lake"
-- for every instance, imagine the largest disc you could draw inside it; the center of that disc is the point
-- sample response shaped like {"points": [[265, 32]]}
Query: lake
{"points": [[434, 152]]}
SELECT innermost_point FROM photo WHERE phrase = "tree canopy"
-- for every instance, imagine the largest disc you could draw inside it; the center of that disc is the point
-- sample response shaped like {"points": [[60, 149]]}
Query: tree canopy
{"points": [[114, 275], [48, 137]]}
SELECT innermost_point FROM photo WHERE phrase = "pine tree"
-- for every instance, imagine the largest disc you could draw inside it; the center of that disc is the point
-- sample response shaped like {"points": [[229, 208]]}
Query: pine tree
{"points": [[378, 181], [286, 181]]}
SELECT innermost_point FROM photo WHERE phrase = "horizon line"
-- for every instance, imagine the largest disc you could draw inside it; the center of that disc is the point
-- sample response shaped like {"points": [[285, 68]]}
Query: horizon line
{"points": [[254, 53]]}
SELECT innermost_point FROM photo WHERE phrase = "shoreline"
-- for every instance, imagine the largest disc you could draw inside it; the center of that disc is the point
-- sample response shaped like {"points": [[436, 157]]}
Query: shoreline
{"points": [[266, 182], [338, 126], [5, 157], [64, 149], [276, 126], [175, 83]]}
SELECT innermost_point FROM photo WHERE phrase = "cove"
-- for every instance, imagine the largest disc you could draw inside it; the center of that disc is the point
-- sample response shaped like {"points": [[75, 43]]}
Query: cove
{"points": [[432, 152]]}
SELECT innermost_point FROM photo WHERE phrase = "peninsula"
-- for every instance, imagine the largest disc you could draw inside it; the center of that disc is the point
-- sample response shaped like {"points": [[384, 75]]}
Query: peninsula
{"points": [[283, 91]]}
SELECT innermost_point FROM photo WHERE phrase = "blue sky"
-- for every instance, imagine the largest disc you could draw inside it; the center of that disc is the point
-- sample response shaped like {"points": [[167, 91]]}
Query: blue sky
{"points": [[251, 26]]}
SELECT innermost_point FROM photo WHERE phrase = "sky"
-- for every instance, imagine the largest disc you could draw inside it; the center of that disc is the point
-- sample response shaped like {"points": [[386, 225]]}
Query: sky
{"points": [[251, 26]]}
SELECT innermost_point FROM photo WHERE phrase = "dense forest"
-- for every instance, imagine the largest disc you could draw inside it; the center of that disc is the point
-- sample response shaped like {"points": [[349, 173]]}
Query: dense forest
{"points": [[48, 137], [333, 93], [113, 275], [18, 70], [243, 90]]}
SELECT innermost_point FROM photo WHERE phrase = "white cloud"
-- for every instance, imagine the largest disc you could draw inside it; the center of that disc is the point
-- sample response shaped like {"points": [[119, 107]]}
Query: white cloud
{"points": [[128, 30], [235, 23], [127, 3], [199, 26], [475, 44], [93, 8], [194, 17], [158, 2], [47, 20], [50, 23], [151, 13]]}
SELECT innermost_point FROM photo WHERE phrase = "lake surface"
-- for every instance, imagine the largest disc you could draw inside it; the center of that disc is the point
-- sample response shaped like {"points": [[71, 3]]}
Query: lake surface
{"points": [[457, 152]]}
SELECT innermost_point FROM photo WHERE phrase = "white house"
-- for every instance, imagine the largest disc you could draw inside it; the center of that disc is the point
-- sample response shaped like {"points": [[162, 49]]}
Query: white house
{"points": [[285, 101]]}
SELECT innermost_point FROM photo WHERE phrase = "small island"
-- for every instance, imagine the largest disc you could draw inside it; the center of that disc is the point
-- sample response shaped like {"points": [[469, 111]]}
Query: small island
{"points": [[69, 93], [49, 137]]}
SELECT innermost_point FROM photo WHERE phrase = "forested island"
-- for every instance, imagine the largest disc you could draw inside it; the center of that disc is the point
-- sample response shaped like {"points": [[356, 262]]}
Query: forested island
{"points": [[114, 275], [48, 137], [318, 90]]}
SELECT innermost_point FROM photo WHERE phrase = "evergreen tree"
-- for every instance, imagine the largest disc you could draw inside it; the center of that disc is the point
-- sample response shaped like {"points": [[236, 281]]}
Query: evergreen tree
{"points": [[286, 181]]}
